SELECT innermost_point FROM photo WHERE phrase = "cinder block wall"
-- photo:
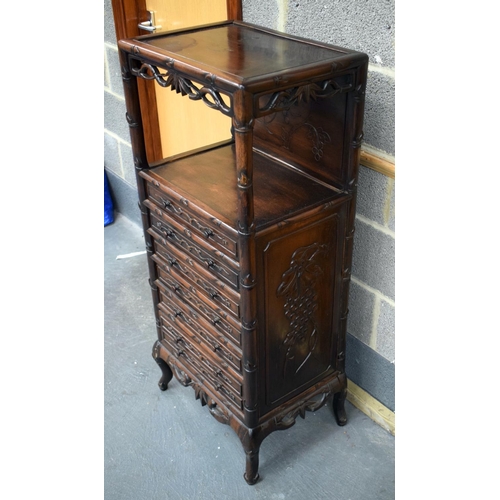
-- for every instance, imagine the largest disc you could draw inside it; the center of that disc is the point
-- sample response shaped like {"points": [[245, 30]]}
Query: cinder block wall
{"points": [[117, 148], [367, 26]]}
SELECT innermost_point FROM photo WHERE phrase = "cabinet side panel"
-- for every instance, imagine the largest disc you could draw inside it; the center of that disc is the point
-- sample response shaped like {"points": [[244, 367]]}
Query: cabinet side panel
{"points": [[297, 317], [308, 135]]}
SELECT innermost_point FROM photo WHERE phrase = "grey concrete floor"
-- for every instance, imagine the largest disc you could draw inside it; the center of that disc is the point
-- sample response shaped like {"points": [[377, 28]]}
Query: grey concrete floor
{"points": [[165, 445]]}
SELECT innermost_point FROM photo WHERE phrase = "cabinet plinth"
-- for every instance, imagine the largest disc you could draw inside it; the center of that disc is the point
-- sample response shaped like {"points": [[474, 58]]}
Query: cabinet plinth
{"points": [[249, 242]]}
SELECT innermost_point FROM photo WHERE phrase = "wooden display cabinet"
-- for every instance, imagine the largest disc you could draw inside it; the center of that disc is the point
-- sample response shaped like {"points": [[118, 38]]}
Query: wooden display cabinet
{"points": [[250, 241]]}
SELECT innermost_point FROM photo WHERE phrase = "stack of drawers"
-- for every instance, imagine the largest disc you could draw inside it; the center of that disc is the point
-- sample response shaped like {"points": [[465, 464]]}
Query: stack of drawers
{"points": [[198, 281]]}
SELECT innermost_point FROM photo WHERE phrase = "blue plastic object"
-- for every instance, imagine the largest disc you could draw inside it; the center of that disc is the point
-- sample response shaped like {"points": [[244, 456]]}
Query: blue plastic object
{"points": [[108, 203]]}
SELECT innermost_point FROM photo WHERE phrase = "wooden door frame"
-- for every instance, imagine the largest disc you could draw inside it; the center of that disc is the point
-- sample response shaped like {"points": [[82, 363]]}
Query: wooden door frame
{"points": [[127, 15]]}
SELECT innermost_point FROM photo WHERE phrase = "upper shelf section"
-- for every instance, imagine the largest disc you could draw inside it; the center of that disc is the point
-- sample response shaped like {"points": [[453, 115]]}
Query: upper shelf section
{"points": [[239, 54]]}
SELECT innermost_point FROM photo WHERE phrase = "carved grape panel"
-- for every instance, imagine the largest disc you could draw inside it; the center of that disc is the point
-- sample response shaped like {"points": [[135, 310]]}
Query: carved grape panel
{"points": [[297, 320]]}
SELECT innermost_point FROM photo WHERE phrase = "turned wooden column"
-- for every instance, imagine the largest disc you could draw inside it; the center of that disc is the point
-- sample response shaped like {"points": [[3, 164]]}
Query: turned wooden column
{"points": [[243, 137], [355, 106], [136, 129]]}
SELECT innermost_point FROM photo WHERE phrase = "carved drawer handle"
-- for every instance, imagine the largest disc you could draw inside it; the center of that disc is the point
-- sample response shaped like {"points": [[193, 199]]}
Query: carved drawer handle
{"points": [[165, 229], [215, 321], [178, 313], [173, 285], [214, 295], [214, 267], [173, 262], [180, 353], [218, 387], [218, 373], [179, 339], [217, 348], [166, 203], [208, 233]]}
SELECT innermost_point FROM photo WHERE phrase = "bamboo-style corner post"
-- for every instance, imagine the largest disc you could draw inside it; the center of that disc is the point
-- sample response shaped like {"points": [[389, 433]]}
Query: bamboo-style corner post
{"points": [[243, 137], [356, 101], [136, 129]]}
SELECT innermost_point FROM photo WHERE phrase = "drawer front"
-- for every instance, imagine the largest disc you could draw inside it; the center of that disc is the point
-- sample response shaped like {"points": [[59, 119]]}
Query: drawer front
{"points": [[171, 259], [206, 227], [193, 325], [217, 317], [181, 346], [214, 261]]}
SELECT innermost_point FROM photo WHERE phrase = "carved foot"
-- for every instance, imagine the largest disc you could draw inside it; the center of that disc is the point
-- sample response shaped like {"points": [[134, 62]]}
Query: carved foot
{"points": [[251, 440], [252, 466], [339, 407], [167, 374]]}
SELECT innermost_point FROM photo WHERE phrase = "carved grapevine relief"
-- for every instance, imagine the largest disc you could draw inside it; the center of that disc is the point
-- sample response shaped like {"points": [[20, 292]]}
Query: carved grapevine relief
{"points": [[299, 286], [293, 122], [285, 104]]}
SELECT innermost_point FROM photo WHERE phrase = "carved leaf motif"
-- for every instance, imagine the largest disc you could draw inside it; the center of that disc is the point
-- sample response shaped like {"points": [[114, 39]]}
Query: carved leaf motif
{"points": [[292, 123], [180, 85], [303, 270]]}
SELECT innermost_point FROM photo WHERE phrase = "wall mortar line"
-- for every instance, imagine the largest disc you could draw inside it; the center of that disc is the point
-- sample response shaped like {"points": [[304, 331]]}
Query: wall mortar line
{"points": [[107, 85], [375, 318], [387, 205], [383, 70], [117, 137], [376, 225], [375, 292], [282, 14], [110, 92]]}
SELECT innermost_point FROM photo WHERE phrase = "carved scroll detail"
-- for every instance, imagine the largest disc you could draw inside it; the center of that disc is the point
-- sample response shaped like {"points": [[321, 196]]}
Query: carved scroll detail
{"points": [[299, 287], [184, 86], [284, 99], [218, 412], [288, 419]]}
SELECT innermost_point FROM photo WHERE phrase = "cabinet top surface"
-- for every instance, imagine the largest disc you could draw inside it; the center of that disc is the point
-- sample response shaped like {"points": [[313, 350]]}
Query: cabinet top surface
{"points": [[240, 51]]}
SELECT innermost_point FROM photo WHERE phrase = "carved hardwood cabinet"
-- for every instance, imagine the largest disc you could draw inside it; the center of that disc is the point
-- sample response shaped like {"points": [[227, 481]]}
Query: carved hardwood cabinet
{"points": [[250, 241]]}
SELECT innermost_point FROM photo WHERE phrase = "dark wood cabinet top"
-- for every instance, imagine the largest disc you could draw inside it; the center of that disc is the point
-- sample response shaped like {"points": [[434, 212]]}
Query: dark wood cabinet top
{"points": [[242, 53]]}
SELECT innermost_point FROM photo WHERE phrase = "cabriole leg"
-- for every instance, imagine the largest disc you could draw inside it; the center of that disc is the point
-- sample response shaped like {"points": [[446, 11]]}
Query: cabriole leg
{"points": [[339, 407], [251, 439], [167, 374], [252, 465]]}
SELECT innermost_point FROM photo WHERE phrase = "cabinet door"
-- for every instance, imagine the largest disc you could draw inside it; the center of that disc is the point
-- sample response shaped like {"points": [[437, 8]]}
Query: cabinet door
{"points": [[299, 310], [185, 124], [169, 130]]}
